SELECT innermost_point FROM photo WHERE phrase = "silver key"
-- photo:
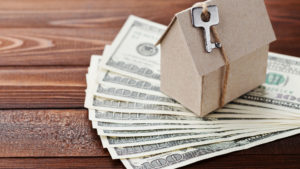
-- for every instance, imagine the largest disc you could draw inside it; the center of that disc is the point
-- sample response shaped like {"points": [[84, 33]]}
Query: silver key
{"points": [[199, 23]]}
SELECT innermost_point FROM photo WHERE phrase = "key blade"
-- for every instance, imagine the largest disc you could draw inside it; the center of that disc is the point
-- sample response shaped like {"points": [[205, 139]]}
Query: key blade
{"points": [[207, 40]]}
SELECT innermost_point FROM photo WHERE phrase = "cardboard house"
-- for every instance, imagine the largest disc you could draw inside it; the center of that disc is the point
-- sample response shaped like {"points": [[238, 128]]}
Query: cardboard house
{"points": [[194, 77]]}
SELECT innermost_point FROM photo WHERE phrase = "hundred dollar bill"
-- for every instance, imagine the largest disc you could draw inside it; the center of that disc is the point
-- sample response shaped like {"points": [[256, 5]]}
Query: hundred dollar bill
{"points": [[116, 79], [258, 110], [152, 149], [183, 157], [153, 126], [250, 116], [155, 132], [133, 52], [281, 90], [243, 106], [108, 141], [150, 126], [119, 80], [261, 90], [271, 92], [215, 118], [91, 76], [136, 96], [102, 104], [119, 92]]}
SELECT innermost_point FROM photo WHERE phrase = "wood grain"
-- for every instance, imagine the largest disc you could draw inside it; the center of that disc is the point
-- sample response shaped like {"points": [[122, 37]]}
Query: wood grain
{"points": [[60, 163], [39, 33], [53, 133], [48, 133], [232, 161], [42, 87], [285, 17], [45, 48], [258, 161], [69, 35]]}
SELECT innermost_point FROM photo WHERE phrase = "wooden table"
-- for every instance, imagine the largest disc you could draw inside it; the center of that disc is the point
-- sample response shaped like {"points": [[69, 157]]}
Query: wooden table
{"points": [[45, 48]]}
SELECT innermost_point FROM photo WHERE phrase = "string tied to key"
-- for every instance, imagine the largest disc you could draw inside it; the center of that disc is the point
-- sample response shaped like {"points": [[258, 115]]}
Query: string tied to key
{"points": [[206, 16]]}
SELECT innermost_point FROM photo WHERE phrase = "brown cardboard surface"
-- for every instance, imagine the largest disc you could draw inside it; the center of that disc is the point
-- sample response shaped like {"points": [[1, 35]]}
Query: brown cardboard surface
{"points": [[194, 77], [244, 27], [246, 73], [179, 70]]}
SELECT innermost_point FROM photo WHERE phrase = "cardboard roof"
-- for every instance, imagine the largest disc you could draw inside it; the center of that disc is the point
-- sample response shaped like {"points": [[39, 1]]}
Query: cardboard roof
{"points": [[244, 27]]}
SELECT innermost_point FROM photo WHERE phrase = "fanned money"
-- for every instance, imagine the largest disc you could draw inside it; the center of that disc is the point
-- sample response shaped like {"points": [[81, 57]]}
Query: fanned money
{"points": [[147, 129]]}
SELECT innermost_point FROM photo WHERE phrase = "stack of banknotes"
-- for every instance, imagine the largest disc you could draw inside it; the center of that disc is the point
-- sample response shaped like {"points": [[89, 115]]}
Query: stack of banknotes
{"points": [[146, 129]]}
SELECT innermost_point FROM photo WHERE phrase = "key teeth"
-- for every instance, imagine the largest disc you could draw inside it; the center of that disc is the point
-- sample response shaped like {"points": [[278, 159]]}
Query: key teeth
{"points": [[213, 46], [218, 45]]}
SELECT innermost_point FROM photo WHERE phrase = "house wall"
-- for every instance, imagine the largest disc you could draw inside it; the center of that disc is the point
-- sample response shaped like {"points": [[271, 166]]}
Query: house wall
{"points": [[179, 78], [246, 73]]}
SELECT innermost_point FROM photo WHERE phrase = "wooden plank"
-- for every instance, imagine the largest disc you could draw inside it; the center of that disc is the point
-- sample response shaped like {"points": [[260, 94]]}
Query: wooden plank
{"points": [[43, 76], [69, 35], [257, 161], [232, 161], [285, 17], [45, 47], [67, 132], [40, 33], [42, 87], [60, 163], [63, 86], [285, 146], [47, 133]]}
